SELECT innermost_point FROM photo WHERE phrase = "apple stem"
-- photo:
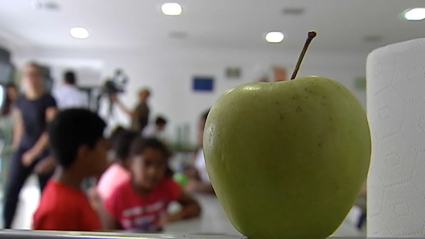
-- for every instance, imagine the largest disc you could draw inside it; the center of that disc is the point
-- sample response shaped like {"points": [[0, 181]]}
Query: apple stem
{"points": [[310, 37]]}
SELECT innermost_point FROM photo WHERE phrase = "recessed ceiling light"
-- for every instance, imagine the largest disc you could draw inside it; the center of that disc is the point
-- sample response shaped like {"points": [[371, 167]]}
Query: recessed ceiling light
{"points": [[274, 37], [415, 14], [171, 9], [47, 5], [372, 38], [79, 33], [293, 11], [178, 34]]}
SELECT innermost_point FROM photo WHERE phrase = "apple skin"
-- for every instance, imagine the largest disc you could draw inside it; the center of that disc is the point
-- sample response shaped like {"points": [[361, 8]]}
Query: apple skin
{"points": [[287, 159]]}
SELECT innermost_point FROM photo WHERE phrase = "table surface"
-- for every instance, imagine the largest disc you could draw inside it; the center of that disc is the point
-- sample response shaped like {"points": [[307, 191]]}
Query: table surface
{"points": [[212, 224], [79, 235], [214, 221]]}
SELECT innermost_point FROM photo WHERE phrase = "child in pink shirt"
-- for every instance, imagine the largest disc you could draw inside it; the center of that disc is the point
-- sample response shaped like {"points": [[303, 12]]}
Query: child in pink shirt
{"points": [[140, 204], [119, 171]]}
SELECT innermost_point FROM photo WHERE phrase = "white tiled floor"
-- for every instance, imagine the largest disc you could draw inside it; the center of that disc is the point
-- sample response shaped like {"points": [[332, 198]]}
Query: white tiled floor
{"points": [[212, 221]]}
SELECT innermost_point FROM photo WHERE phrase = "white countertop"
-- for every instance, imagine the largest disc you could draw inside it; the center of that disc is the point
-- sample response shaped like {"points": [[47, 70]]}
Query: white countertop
{"points": [[214, 221]]}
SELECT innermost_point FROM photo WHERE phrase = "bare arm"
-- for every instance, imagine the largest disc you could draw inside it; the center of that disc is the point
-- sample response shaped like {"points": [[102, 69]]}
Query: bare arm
{"points": [[19, 128], [190, 208], [31, 155], [43, 141], [41, 144], [108, 221], [205, 188], [127, 111], [120, 105], [197, 186]]}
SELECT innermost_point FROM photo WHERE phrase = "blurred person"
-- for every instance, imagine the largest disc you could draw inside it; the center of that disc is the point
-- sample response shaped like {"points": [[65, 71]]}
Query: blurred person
{"points": [[78, 145], [280, 74], [156, 130], [6, 113], [119, 171], [140, 204], [140, 115], [12, 94], [68, 95], [34, 110], [118, 130], [7, 125], [199, 181], [96, 195], [264, 79]]}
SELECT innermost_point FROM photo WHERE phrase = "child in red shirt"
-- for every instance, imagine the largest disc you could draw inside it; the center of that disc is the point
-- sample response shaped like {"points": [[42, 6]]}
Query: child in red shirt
{"points": [[77, 143], [140, 204]]}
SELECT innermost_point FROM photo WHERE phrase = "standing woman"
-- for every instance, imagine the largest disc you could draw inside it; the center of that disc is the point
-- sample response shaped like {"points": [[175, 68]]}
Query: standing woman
{"points": [[140, 115], [33, 112], [6, 130]]}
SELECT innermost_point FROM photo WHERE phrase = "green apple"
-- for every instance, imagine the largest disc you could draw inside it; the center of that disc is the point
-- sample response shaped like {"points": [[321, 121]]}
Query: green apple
{"points": [[287, 159]]}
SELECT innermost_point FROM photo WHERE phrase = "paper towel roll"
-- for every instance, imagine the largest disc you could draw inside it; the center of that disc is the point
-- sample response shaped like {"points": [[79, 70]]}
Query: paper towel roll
{"points": [[396, 110]]}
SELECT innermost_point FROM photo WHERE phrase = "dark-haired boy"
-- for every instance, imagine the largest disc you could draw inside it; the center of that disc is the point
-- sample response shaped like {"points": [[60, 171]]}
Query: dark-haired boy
{"points": [[77, 143]]}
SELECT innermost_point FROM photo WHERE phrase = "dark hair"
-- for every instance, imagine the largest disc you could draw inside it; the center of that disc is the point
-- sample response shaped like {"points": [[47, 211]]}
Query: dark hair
{"points": [[72, 129], [7, 108], [121, 144], [140, 144], [160, 120], [36, 65], [116, 132], [204, 115], [69, 78], [147, 90]]}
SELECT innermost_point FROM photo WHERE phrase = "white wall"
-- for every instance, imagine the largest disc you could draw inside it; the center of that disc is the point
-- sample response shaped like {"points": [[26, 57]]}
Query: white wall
{"points": [[7, 44], [168, 72]]}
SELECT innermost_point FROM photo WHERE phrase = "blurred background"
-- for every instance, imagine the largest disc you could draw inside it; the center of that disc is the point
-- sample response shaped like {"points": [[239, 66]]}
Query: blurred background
{"points": [[189, 52]]}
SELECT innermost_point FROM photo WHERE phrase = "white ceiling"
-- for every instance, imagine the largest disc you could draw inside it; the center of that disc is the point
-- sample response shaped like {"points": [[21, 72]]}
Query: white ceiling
{"points": [[341, 24]]}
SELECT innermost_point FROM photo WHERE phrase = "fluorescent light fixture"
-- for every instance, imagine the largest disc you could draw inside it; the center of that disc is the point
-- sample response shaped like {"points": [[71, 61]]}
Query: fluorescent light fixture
{"points": [[47, 5], [171, 9], [274, 37], [79, 33], [415, 14]]}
